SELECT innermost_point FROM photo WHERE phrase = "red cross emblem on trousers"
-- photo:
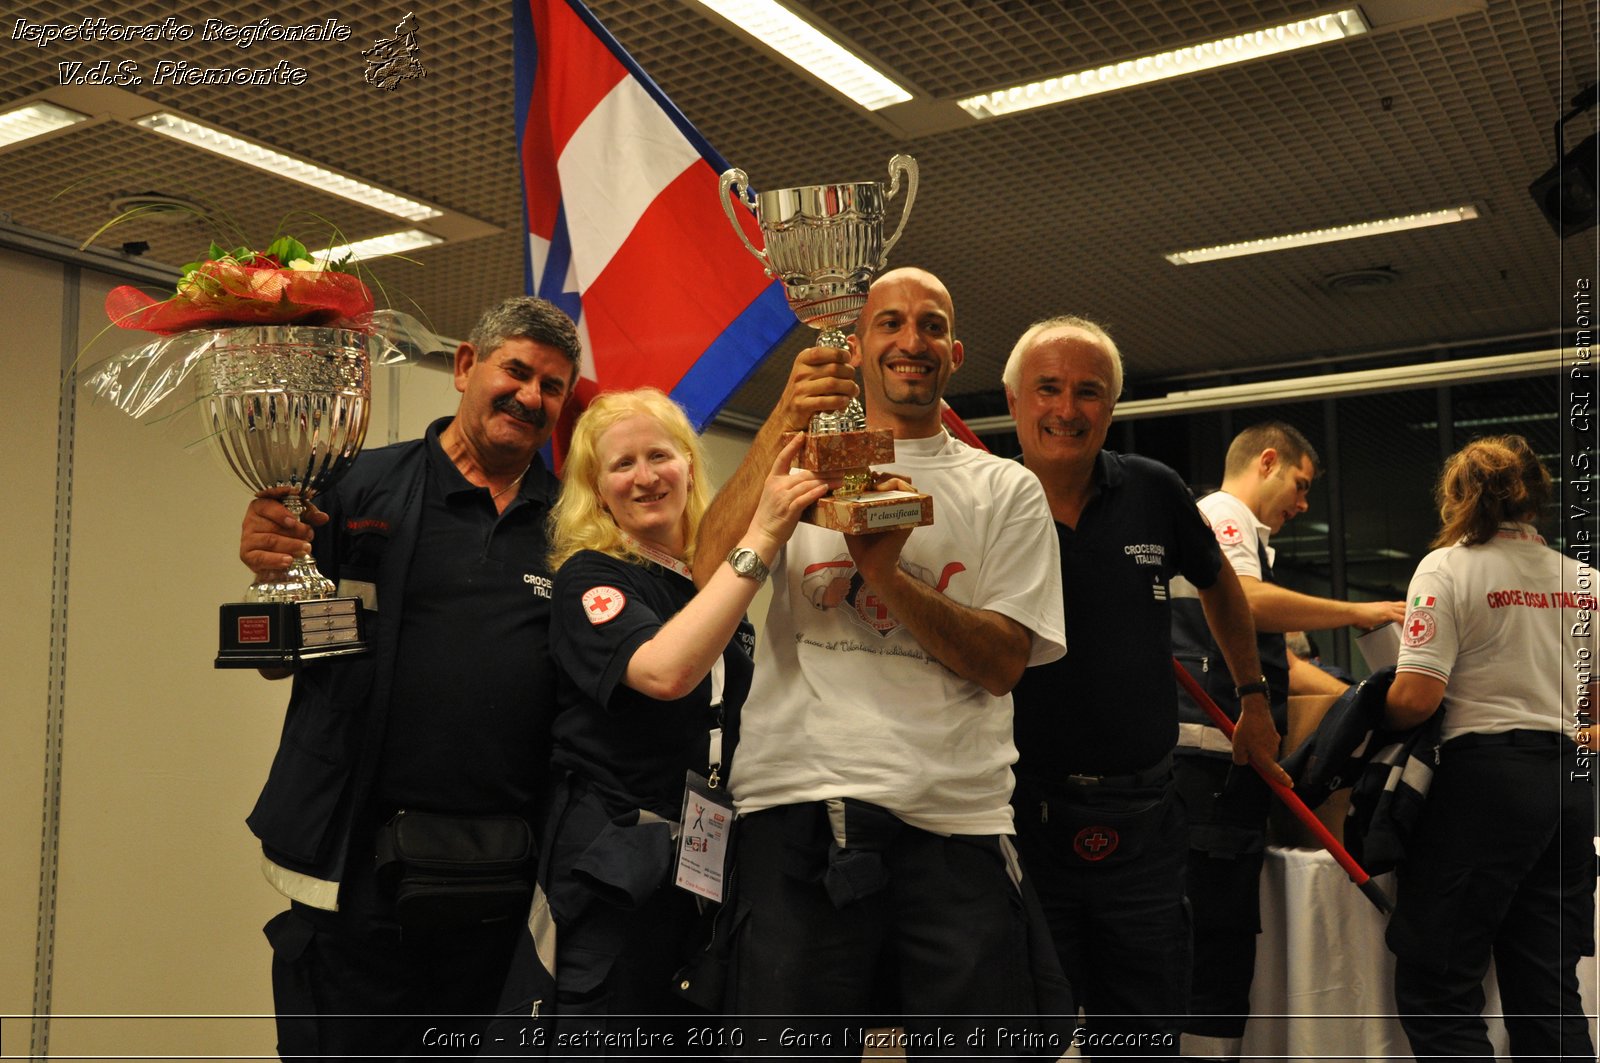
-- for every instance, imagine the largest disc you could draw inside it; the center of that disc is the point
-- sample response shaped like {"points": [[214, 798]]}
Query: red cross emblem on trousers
{"points": [[602, 603], [1095, 843]]}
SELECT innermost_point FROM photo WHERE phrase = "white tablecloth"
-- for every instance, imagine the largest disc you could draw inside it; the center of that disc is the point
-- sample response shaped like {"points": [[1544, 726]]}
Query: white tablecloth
{"points": [[1324, 984]]}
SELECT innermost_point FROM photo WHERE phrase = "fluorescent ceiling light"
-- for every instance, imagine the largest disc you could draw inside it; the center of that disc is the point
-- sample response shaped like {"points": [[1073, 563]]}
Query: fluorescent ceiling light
{"points": [[35, 119], [282, 165], [810, 49], [1329, 385], [376, 246], [1486, 422], [1301, 33], [1324, 236]]}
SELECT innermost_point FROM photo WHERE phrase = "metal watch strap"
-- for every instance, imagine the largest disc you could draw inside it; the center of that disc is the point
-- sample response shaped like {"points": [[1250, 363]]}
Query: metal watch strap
{"points": [[747, 563]]}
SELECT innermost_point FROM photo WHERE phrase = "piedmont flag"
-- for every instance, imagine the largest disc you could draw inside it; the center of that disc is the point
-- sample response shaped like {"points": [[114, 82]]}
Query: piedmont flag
{"points": [[626, 231]]}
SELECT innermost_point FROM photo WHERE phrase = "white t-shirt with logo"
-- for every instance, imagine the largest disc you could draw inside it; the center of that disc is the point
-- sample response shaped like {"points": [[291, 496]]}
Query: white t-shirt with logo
{"points": [[846, 703], [1237, 531], [1503, 623]]}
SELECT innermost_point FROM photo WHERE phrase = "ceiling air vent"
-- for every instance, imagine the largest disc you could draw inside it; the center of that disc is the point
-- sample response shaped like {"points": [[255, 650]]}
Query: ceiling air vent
{"points": [[158, 207], [1360, 281]]}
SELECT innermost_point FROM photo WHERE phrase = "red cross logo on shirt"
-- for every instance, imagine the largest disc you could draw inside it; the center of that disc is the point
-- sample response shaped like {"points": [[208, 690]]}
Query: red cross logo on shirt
{"points": [[1229, 533], [872, 609], [602, 603], [1420, 627]]}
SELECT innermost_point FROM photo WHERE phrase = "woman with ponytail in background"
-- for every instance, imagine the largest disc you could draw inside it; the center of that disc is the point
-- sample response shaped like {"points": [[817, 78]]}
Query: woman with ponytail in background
{"points": [[1499, 629]]}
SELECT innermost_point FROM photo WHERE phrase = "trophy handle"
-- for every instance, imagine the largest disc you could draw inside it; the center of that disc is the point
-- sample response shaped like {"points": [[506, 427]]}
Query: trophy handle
{"points": [[899, 164], [730, 178]]}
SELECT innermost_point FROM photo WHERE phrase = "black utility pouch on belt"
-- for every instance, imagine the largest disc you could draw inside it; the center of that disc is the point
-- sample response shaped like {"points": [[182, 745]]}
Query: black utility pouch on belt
{"points": [[456, 871]]}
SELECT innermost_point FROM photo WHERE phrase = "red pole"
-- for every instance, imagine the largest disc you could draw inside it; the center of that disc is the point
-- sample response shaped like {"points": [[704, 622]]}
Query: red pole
{"points": [[1291, 799]]}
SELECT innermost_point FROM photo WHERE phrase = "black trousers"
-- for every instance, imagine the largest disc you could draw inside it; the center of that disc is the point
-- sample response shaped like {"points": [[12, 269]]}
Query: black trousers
{"points": [[946, 933], [350, 984], [1501, 865], [622, 931], [1226, 809], [1108, 864]]}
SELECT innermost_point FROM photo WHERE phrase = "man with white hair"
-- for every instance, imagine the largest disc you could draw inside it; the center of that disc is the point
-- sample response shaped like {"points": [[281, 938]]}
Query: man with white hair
{"points": [[1098, 822]]}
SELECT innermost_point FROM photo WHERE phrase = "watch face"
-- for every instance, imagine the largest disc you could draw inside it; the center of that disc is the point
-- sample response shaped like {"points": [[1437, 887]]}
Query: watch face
{"points": [[747, 562]]}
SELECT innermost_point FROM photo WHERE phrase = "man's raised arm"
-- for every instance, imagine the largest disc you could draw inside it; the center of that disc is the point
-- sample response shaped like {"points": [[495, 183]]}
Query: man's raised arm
{"points": [[821, 381]]}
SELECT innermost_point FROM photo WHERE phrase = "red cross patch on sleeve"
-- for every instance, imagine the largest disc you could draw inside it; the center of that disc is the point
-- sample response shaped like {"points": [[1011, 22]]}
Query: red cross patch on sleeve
{"points": [[1419, 628], [1229, 533], [602, 603]]}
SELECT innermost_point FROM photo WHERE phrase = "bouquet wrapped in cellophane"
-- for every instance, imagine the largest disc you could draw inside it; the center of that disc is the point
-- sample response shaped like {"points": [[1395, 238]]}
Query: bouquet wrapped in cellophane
{"points": [[283, 285]]}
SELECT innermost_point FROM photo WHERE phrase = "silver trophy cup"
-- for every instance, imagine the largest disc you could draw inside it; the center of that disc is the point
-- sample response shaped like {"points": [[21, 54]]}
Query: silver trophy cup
{"points": [[825, 243], [287, 406]]}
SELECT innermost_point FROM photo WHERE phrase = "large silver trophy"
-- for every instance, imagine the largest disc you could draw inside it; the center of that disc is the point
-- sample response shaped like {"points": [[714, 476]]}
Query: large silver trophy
{"points": [[825, 243], [287, 406]]}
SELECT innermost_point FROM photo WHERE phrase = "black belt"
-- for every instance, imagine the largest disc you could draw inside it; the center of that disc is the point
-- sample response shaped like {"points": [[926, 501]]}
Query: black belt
{"points": [[1528, 738], [1157, 773]]}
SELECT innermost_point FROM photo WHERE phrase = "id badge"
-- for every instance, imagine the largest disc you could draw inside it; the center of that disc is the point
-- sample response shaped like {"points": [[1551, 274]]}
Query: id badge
{"points": [[703, 833]]}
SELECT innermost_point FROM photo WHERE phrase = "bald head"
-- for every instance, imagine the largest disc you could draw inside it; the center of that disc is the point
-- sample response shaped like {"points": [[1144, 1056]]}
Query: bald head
{"points": [[905, 346], [902, 275]]}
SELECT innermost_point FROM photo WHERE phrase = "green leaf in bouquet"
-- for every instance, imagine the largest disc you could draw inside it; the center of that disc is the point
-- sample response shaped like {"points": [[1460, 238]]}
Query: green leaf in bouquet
{"points": [[287, 249]]}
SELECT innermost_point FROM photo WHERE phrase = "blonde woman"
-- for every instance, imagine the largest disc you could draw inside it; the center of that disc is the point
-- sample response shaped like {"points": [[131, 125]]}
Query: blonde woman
{"points": [[648, 672], [1498, 629]]}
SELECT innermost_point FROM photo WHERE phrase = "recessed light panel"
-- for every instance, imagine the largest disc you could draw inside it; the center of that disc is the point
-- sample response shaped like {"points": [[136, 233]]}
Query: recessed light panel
{"points": [[1286, 37]]}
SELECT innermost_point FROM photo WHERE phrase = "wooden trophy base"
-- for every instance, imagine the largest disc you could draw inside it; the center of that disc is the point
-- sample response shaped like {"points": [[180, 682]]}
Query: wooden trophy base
{"points": [[847, 451], [287, 634], [871, 511], [852, 453]]}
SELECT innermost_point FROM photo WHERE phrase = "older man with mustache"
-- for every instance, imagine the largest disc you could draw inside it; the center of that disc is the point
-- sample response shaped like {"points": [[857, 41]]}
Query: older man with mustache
{"points": [[443, 539]]}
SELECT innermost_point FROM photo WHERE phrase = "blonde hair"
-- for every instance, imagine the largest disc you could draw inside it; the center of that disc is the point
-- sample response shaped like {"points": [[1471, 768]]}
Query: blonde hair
{"points": [[1486, 483], [578, 521]]}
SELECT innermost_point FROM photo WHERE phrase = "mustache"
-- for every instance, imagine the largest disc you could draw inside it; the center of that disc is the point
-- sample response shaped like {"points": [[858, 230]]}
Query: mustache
{"points": [[533, 415]]}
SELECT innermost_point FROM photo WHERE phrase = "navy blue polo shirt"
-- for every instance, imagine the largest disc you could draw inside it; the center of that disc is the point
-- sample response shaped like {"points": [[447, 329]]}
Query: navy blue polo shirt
{"points": [[473, 695], [1109, 707], [633, 749]]}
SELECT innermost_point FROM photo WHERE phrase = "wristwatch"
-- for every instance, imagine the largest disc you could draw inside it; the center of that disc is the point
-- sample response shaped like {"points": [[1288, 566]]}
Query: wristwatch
{"points": [[1258, 687], [747, 563]]}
